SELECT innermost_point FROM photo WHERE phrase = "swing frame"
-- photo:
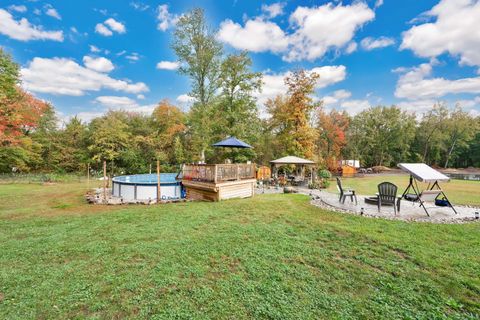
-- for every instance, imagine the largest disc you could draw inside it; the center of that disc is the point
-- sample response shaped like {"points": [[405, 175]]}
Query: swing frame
{"points": [[431, 186]]}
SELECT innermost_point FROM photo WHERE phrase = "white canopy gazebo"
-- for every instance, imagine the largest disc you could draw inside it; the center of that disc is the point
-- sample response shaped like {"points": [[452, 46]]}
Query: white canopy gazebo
{"points": [[292, 160]]}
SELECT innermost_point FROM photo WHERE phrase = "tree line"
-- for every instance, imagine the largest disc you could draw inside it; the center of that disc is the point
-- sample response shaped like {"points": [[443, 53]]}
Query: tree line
{"points": [[224, 88]]}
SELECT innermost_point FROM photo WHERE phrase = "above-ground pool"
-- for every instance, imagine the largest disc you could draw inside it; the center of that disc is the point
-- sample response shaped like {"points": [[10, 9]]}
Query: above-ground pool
{"points": [[144, 187]]}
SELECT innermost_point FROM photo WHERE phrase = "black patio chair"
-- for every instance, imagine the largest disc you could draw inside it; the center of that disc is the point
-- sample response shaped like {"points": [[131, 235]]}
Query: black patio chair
{"points": [[344, 193], [387, 195]]}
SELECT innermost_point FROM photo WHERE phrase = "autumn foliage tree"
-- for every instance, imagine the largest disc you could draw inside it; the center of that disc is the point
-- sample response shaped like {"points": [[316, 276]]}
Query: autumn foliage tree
{"points": [[170, 125], [20, 112], [291, 115], [332, 140]]}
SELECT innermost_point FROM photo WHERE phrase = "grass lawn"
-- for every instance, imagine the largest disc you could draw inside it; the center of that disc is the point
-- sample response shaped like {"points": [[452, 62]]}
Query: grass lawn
{"points": [[458, 191], [271, 257]]}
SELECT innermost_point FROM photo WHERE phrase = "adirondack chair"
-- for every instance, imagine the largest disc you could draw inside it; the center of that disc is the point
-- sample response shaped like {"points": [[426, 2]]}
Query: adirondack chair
{"points": [[387, 195], [344, 193]]}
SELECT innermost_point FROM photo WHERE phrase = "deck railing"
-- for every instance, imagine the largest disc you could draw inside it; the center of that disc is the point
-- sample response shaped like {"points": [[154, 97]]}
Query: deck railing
{"points": [[218, 172]]}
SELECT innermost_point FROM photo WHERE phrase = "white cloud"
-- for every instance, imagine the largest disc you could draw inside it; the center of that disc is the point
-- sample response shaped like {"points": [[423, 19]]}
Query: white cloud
{"points": [[185, 98], [101, 11], [370, 43], [315, 30], [420, 107], [329, 75], [378, 3], [85, 116], [18, 8], [355, 106], [103, 30], [133, 57], [415, 84], [469, 104], [336, 97], [474, 112], [342, 94], [115, 25], [273, 10], [329, 101], [22, 30], [273, 84], [417, 106], [455, 31], [66, 77], [99, 64], [351, 47], [140, 6], [321, 28], [165, 19], [37, 11], [111, 103], [185, 101], [400, 70], [94, 49], [339, 99], [168, 65], [145, 109], [257, 36], [116, 102], [109, 26], [52, 12], [140, 96]]}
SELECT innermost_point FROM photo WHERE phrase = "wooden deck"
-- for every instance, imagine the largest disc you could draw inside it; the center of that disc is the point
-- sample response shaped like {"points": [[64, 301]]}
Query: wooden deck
{"points": [[215, 182]]}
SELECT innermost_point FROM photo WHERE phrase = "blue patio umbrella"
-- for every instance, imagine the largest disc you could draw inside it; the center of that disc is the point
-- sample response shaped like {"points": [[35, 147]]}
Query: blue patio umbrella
{"points": [[232, 142]]}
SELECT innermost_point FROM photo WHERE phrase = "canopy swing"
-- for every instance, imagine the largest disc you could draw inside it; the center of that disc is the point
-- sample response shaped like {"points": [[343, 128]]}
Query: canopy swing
{"points": [[424, 173]]}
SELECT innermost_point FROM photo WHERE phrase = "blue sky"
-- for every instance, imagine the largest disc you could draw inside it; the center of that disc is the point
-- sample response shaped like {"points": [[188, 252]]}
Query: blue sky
{"points": [[91, 56]]}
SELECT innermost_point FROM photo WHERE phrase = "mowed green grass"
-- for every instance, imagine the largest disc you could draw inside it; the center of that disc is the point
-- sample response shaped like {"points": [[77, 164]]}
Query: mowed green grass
{"points": [[458, 191], [270, 257]]}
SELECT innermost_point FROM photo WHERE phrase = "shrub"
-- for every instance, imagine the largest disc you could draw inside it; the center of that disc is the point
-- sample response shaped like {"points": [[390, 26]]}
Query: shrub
{"points": [[324, 176], [314, 185]]}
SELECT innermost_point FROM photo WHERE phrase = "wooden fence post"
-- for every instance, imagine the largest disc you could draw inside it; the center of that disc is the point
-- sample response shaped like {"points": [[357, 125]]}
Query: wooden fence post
{"points": [[158, 181], [88, 175], [105, 181]]}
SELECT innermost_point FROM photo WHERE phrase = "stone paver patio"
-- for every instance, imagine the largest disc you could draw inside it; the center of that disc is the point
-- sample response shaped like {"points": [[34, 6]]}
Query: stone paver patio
{"points": [[409, 211]]}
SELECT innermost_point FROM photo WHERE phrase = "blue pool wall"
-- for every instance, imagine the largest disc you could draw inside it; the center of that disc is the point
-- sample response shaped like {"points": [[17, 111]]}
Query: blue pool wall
{"points": [[142, 187]]}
